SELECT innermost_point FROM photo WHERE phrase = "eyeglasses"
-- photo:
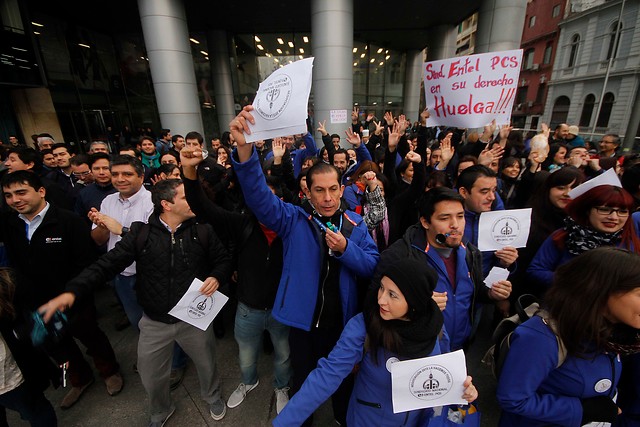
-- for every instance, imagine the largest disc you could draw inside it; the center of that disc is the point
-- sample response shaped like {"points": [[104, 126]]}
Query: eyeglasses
{"points": [[606, 210]]}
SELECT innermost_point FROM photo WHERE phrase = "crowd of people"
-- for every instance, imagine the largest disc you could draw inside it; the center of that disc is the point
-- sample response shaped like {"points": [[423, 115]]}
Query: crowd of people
{"points": [[347, 255]]}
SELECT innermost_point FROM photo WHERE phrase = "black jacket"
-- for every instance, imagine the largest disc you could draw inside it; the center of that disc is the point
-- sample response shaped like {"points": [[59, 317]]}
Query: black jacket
{"points": [[166, 264], [259, 264], [59, 249]]}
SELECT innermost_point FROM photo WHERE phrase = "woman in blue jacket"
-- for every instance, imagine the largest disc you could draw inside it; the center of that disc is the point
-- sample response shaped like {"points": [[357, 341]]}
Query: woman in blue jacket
{"points": [[400, 321], [594, 305], [599, 217]]}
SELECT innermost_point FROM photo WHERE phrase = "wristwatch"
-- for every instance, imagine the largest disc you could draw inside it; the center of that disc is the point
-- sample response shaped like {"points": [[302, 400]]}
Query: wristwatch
{"points": [[125, 230]]}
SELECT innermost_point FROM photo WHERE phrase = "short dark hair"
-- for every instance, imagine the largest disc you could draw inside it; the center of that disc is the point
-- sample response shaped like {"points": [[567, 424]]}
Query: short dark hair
{"points": [[125, 159], [341, 151], [146, 138], [321, 167], [470, 175], [195, 135], [164, 190], [171, 153], [164, 132], [166, 168], [26, 155], [61, 145], [335, 135], [22, 177], [174, 138], [97, 156], [79, 160], [615, 136], [129, 148], [428, 201]]}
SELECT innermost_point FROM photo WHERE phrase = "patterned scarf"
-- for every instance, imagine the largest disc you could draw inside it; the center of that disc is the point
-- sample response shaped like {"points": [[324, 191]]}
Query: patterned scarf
{"points": [[581, 239], [624, 340]]}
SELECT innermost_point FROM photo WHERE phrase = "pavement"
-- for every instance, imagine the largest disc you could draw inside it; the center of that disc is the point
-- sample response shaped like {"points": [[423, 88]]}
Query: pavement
{"points": [[129, 408]]}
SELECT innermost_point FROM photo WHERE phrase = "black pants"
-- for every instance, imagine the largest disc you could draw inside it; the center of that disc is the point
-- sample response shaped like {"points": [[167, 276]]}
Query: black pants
{"points": [[31, 404], [306, 349]]}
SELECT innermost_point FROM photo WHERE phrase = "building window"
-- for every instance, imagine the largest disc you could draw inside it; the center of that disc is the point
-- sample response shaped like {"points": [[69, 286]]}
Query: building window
{"points": [[532, 21], [605, 110], [542, 89], [560, 111], [573, 54], [528, 59], [548, 50], [556, 11], [587, 110], [614, 39]]}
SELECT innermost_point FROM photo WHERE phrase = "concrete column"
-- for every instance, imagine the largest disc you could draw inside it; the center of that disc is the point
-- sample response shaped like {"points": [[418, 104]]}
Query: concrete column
{"points": [[218, 46], [500, 24], [442, 42], [166, 37], [332, 45], [413, 77], [634, 122], [36, 113]]}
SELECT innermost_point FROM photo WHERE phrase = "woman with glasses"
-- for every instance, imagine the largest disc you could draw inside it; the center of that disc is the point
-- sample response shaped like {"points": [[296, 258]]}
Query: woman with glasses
{"points": [[599, 217]]}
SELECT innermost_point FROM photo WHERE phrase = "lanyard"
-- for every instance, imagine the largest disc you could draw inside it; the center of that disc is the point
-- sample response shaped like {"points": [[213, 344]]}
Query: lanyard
{"points": [[331, 227]]}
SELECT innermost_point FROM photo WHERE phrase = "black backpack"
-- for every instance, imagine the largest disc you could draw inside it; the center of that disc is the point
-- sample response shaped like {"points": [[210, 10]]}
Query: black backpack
{"points": [[526, 307]]}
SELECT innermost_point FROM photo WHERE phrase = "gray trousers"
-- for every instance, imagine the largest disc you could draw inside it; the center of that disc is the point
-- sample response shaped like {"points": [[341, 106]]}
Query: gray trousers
{"points": [[155, 350]]}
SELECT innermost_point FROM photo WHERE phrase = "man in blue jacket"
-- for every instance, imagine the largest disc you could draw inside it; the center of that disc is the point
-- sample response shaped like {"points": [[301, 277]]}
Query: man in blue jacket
{"points": [[437, 241], [326, 251]]}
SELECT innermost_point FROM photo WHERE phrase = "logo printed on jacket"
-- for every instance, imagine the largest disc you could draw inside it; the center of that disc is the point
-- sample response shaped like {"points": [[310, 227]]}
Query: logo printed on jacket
{"points": [[53, 240]]}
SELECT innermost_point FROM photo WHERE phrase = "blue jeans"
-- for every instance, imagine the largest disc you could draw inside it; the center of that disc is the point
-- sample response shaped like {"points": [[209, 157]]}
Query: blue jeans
{"points": [[126, 290], [249, 326]]}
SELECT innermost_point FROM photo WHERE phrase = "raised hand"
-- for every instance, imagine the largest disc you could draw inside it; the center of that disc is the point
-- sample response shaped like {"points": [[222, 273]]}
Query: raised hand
{"points": [[447, 149], [370, 117], [487, 156], [504, 131], [388, 117], [379, 128], [545, 130], [278, 148], [322, 129], [353, 138], [354, 114], [403, 123], [394, 138], [413, 157], [424, 115]]}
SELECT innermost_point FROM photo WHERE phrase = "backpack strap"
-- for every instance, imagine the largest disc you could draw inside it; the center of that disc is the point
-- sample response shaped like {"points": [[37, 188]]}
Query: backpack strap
{"points": [[551, 323], [141, 238]]}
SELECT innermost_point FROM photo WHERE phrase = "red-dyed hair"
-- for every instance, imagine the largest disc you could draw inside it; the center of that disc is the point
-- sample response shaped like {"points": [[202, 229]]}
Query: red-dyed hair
{"points": [[603, 195]]}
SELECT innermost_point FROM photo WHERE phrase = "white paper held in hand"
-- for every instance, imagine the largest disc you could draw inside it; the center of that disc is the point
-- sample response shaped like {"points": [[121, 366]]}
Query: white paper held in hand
{"points": [[280, 105], [197, 309], [495, 275], [497, 229], [428, 382]]}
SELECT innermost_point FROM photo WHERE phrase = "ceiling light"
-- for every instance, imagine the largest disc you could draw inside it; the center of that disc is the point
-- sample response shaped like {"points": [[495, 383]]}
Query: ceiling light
{"points": [[380, 50], [355, 49], [204, 53], [381, 62], [259, 46], [355, 103], [276, 59], [18, 48], [301, 50], [194, 41], [84, 45], [373, 60], [363, 55], [36, 24], [300, 56], [36, 33], [256, 38], [355, 64], [279, 50], [389, 102], [290, 44], [305, 39], [280, 40], [375, 103], [386, 51], [387, 57], [268, 55]]}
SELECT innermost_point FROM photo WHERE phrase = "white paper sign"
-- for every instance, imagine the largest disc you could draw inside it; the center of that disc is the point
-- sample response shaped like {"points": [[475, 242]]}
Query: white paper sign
{"points": [[498, 229], [198, 309], [428, 382], [280, 105], [471, 91], [495, 275], [338, 116]]}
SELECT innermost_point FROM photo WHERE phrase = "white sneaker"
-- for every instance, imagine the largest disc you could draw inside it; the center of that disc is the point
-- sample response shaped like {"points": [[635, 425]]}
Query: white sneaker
{"points": [[237, 397], [282, 398]]}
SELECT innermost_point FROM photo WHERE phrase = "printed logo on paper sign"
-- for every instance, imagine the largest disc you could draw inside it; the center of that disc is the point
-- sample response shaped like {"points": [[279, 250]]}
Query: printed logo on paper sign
{"points": [[431, 382], [272, 100], [505, 230], [200, 306]]}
